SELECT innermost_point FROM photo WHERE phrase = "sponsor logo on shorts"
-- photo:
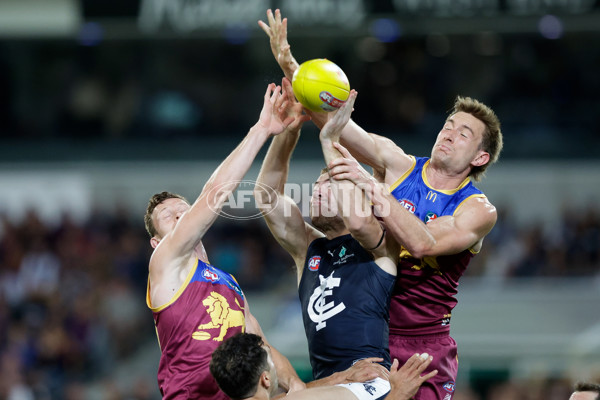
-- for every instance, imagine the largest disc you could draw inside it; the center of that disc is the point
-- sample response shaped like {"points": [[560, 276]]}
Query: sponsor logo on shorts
{"points": [[314, 262], [370, 388], [449, 387], [408, 205]]}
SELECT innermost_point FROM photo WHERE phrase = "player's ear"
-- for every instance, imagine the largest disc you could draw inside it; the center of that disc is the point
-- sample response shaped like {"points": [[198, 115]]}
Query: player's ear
{"points": [[482, 158], [154, 241], [265, 380]]}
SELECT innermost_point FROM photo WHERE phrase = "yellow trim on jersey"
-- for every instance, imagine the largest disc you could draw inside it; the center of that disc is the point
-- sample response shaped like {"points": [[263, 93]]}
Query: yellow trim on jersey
{"points": [[404, 175], [176, 295], [463, 202], [451, 191]]}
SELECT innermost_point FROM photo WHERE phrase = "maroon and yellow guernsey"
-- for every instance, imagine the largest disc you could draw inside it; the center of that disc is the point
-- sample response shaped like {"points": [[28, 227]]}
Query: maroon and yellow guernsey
{"points": [[423, 297], [207, 309]]}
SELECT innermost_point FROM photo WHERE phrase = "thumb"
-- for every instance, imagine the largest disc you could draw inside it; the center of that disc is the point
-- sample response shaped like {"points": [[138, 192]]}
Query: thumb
{"points": [[343, 150]]}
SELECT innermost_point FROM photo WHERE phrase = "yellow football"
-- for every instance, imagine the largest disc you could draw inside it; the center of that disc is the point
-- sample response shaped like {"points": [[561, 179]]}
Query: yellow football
{"points": [[320, 85]]}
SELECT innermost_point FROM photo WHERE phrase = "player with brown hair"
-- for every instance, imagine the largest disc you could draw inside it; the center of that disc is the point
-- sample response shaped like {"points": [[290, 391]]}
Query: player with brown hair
{"points": [[430, 206]]}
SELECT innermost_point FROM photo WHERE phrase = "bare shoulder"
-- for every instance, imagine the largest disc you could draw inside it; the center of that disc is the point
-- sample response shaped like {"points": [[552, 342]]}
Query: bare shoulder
{"points": [[479, 211], [167, 273]]}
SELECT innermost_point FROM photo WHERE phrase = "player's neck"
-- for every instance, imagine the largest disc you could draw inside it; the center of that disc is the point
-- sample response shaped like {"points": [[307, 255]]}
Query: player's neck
{"points": [[444, 179], [331, 227]]}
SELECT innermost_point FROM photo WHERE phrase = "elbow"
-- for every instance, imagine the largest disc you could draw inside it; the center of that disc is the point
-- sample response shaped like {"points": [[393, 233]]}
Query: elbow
{"points": [[421, 249], [263, 196]]}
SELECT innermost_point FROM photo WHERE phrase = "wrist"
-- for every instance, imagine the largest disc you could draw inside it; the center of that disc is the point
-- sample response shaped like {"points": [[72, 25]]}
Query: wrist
{"points": [[259, 131]]}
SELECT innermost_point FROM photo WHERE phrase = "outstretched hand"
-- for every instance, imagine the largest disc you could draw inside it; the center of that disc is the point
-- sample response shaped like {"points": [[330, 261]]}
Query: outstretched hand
{"points": [[347, 168], [407, 380], [276, 29], [333, 128], [270, 118], [292, 107]]}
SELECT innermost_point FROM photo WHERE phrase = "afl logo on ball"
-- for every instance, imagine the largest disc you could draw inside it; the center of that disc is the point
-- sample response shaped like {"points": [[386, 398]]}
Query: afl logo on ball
{"points": [[314, 262]]}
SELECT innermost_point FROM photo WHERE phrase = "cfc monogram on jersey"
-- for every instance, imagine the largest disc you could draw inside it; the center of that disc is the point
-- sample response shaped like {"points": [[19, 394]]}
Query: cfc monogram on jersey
{"points": [[342, 288], [320, 309]]}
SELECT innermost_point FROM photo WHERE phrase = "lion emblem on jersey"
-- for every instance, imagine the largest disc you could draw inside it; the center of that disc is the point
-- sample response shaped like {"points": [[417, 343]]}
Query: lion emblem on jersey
{"points": [[222, 317]]}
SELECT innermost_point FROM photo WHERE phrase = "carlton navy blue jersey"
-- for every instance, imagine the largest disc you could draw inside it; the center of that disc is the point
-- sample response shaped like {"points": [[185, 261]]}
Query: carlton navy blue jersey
{"points": [[345, 301]]}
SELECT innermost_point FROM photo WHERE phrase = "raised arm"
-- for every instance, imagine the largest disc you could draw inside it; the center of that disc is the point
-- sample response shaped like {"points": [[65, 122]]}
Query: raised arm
{"points": [[374, 150], [193, 224], [351, 197], [351, 201], [282, 215], [445, 235]]}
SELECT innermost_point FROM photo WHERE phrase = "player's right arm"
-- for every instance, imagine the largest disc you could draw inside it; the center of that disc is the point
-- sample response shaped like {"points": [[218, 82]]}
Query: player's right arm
{"points": [[282, 215], [376, 151], [175, 249]]}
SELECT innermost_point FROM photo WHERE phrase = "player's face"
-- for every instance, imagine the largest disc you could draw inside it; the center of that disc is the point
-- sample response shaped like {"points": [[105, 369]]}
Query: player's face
{"points": [[167, 213], [457, 144], [321, 203]]}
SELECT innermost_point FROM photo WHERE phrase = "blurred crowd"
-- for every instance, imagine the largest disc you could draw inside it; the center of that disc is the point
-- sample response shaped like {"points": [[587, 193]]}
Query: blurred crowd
{"points": [[568, 247], [72, 296]]}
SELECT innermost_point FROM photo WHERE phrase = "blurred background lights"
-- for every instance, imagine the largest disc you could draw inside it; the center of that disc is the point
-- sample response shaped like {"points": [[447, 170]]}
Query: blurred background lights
{"points": [[386, 30], [90, 34], [370, 49], [487, 44], [550, 27], [438, 45], [236, 33]]}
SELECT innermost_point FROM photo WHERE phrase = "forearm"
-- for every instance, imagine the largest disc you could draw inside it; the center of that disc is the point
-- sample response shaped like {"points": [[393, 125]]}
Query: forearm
{"points": [[274, 170], [363, 145], [334, 379], [405, 227], [352, 203], [288, 378], [288, 65], [237, 164]]}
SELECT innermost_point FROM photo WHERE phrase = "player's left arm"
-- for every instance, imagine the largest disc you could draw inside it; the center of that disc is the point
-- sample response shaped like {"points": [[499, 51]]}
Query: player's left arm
{"points": [[288, 378], [445, 235], [352, 203]]}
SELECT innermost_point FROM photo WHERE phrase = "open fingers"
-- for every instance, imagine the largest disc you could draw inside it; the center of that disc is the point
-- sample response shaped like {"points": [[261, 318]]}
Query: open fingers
{"points": [[269, 91], [275, 96], [425, 360], [287, 88], [265, 28], [270, 17]]}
